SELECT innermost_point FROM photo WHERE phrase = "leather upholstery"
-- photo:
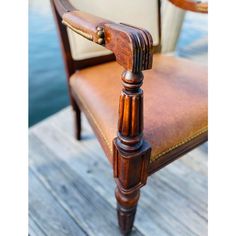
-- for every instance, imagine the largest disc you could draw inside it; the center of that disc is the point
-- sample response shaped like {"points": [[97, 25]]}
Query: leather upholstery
{"points": [[175, 102], [142, 15]]}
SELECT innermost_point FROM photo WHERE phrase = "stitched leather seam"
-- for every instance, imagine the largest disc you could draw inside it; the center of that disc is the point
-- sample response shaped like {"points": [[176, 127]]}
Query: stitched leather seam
{"points": [[97, 125], [203, 130]]}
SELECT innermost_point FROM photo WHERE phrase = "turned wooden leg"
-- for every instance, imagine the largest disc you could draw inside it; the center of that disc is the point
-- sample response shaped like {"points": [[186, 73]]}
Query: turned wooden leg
{"points": [[131, 153], [130, 172], [126, 209], [77, 120]]}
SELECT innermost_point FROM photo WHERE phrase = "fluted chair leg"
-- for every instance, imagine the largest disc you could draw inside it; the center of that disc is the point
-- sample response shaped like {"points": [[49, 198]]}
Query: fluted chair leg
{"points": [[126, 209]]}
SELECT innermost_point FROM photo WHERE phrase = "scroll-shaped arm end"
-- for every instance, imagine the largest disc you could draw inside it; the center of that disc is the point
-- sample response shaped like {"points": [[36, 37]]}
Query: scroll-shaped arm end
{"points": [[132, 46]]}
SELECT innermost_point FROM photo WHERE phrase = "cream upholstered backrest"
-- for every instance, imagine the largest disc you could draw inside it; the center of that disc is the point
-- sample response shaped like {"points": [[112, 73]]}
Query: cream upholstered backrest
{"points": [[141, 13]]}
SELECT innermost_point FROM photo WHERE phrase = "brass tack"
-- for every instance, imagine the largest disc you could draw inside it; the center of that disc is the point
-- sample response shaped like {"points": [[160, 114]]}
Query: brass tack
{"points": [[99, 28], [100, 41], [100, 33]]}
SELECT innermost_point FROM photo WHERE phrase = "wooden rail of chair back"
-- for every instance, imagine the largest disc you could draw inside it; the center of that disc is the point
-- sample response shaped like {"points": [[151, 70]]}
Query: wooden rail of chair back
{"points": [[191, 5]]}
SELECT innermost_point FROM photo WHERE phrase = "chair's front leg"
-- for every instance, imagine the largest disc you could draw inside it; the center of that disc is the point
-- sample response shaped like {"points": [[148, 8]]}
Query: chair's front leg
{"points": [[131, 152], [130, 171], [126, 209]]}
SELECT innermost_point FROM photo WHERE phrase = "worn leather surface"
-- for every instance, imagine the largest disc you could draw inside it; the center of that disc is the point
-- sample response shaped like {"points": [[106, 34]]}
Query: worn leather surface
{"points": [[175, 102]]}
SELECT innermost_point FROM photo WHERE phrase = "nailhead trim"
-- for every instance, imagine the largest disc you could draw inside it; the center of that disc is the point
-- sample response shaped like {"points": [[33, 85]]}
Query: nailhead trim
{"points": [[203, 130]]}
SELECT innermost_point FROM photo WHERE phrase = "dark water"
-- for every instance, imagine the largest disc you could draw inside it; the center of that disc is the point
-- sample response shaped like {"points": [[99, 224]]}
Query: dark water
{"points": [[47, 81]]}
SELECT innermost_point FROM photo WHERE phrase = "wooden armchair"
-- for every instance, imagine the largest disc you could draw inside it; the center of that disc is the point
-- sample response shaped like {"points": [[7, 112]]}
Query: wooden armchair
{"points": [[139, 133]]}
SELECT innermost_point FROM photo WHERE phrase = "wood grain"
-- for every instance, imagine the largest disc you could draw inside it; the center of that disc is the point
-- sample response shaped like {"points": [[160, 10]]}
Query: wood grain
{"points": [[72, 192], [34, 229], [131, 153], [51, 218]]}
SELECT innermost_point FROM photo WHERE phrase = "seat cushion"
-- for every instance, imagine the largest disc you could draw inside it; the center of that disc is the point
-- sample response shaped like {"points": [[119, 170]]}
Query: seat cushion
{"points": [[175, 102]]}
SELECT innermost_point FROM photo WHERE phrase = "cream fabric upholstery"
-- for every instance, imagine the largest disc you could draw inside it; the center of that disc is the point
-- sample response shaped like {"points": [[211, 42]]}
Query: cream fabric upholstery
{"points": [[141, 13]]}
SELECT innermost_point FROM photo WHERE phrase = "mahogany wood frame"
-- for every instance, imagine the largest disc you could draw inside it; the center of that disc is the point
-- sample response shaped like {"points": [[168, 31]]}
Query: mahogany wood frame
{"points": [[133, 49], [191, 5]]}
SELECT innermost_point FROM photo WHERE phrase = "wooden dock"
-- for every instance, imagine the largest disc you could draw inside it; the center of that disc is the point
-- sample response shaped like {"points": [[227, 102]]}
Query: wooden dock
{"points": [[71, 189]]}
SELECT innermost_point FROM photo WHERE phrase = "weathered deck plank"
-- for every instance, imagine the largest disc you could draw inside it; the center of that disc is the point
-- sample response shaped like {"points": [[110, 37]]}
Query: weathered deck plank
{"points": [[73, 193], [50, 217], [34, 228], [76, 177]]}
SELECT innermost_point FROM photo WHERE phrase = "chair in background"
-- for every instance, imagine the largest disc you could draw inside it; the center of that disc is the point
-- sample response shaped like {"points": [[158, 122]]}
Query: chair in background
{"points": [[141, 131]]}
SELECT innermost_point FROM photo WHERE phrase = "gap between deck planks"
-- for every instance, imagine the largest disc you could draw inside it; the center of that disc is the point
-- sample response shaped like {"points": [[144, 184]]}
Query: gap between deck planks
{"points": [[72, 187]]}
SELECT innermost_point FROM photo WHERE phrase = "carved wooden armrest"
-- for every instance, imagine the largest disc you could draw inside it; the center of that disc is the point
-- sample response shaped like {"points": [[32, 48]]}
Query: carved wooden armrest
{"points": [[192, 5], [87, 25]]}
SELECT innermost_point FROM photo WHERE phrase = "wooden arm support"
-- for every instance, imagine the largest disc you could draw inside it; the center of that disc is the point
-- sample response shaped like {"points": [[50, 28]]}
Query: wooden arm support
{"points": [[131, 154], [191, 5]]}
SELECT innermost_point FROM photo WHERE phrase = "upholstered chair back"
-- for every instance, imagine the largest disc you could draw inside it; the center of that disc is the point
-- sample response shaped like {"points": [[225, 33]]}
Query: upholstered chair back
{"points": [[141, 13]]}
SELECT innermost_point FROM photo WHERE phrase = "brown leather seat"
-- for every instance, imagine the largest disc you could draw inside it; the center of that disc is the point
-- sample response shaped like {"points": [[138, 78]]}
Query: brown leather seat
{"points": [[175, 102]]}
